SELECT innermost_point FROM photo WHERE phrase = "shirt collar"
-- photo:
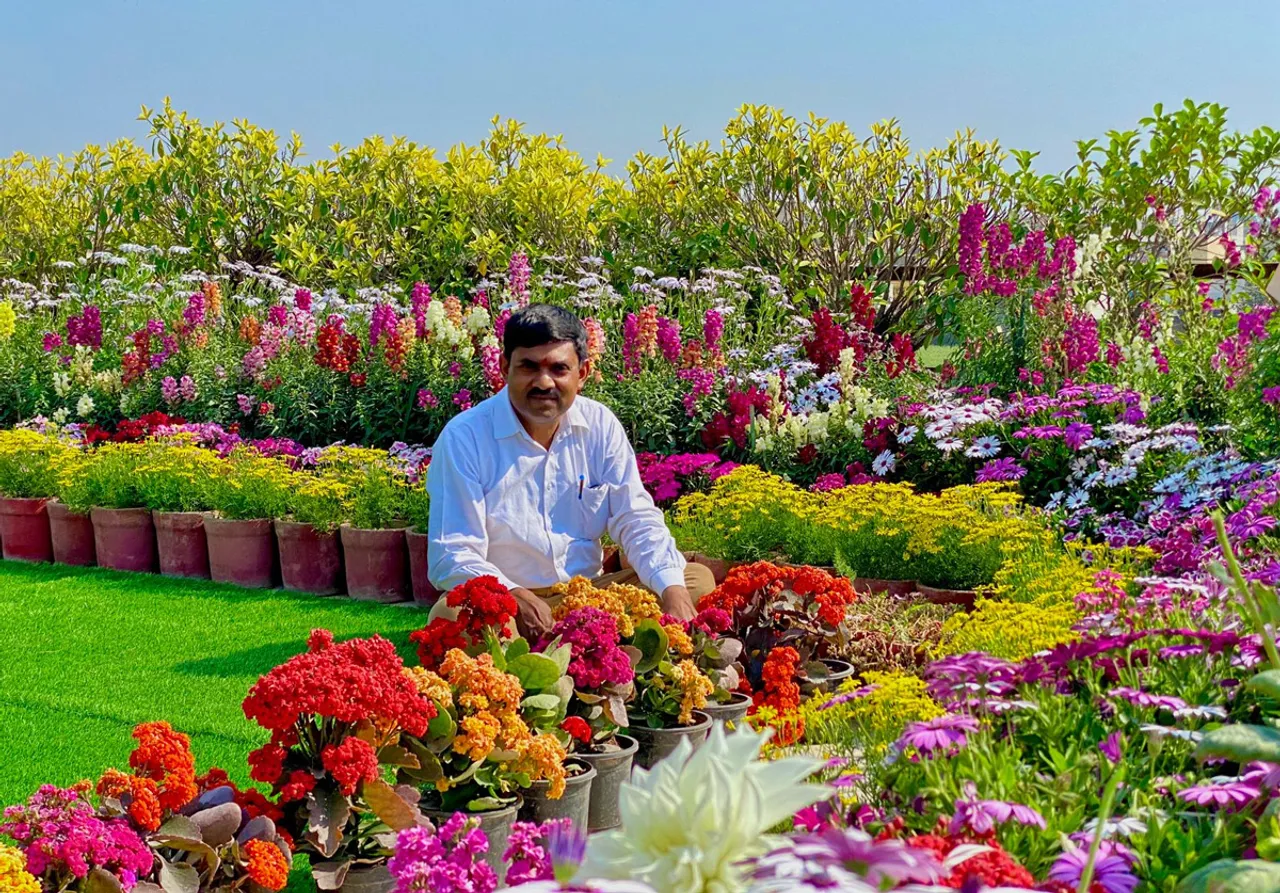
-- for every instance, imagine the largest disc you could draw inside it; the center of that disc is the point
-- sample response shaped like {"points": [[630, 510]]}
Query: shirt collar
{"points": [[507, 424]]}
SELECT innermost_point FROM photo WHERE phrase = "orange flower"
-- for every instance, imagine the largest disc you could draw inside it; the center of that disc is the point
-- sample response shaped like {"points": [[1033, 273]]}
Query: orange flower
{"points": [[430, 685], [250, 330], [543, 758], [138, 796], [477, 735], [678, 640], [266, 864], [694, 689], [213, 298], [164, 756]]}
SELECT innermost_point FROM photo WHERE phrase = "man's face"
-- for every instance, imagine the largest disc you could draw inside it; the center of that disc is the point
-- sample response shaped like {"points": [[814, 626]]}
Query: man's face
{"points": [[543, 381]]}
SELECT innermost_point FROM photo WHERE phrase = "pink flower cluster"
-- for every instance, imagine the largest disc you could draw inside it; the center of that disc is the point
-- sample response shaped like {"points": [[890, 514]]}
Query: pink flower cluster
{"points": [[527, 852], [1232, 357], [664, 476], [60, 834], [419, 298], [383, 321], [86, 327], [597, 661], [448, 860], [1005, 265], [518, 274]]}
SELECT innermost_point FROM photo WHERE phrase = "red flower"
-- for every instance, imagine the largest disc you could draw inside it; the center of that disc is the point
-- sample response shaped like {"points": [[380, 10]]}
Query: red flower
{"points": [[993, 868], [299, 785], [360, 679], [319, 640], [481, 602], [577, 728], [351, 762], [437, 639], [266, 764], [164, 756], [825, 341], [255, 804]]}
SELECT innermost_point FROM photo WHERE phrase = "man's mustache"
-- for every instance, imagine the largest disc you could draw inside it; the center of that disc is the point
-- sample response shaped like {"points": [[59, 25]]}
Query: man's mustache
{"points": [[538, 393]]}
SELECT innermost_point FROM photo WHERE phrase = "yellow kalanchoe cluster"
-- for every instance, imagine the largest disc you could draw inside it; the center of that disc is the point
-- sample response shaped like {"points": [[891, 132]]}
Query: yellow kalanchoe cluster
{"points": [[14, 877], [626, 604], [695, 688]]}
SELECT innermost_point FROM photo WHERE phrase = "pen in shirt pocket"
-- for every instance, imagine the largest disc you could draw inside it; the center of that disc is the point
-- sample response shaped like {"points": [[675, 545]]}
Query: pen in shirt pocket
{"points": [[582, 482]]}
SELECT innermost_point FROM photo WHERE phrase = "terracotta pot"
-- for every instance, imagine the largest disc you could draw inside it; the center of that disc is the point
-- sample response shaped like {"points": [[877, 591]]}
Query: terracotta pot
{"points": [[655, 744], [963, 597], [377, 564], [731, 713], [368, 879], [884, 587], [72, 536], [241, 552], [310, 561], [180, 544], [496, 825], [423, 592], [574, 804], [838, 671], [24, 530], [124, 539], [612, 767]]}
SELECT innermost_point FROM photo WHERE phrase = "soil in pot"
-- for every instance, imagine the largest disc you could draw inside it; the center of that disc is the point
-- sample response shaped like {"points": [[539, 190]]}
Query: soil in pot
{"points": [[377, 564], [656, 744], [124, 539], [310, 560], [180, 544], [613, 767], [241, 552], [496, 825], [838, 671], [72, 536], [420, 583], [574, 803], [24, 530], [732, 712], [963, 597]]}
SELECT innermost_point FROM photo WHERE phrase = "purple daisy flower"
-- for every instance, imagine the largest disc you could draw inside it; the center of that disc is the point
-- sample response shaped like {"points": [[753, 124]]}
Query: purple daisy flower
{"points": [[1111, 870], [848, 696], [1110, 747], [945, 733], [1005, 469], [1171, 651], [1140, 698], [837, 856], [1231, 793], [982, 816]]}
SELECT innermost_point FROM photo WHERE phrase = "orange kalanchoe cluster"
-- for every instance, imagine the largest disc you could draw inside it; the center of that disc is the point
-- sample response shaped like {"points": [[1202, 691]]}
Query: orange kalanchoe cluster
{"points": [[831, 596], [266, 865], [626, 604], [781, 693], [487, 701], [163, 779], [678, 638]]}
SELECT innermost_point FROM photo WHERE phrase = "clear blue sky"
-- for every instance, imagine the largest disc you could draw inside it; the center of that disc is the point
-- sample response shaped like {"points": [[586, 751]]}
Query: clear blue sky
{"points": [[1037, 74]]}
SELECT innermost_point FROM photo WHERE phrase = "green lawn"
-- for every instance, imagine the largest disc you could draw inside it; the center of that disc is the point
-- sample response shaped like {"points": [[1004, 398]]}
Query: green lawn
{"points": [[87, 654]]}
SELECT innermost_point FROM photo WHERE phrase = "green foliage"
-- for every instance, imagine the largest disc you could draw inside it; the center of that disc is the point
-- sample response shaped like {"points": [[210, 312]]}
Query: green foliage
{"points": [[107, 478]]}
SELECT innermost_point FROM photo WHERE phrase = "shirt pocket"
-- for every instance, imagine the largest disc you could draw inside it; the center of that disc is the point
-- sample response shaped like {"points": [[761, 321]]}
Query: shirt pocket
{"points": [[591, 515]]}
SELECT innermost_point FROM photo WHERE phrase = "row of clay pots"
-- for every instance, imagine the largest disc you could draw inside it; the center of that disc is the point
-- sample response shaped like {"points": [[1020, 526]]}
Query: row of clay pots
{"points": [[376, 565]]}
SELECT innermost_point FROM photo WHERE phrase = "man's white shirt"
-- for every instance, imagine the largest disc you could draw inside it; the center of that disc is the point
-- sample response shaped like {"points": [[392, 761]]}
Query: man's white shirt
{"points": [[533, 517]]}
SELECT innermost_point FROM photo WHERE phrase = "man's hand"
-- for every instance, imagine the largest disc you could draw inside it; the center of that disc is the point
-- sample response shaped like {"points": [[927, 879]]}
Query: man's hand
{"points": [[533, 615], [677, 602]]}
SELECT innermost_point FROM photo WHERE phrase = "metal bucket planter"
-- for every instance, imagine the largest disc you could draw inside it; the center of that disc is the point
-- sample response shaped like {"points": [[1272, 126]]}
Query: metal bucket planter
{"points": [[124, 539], [496, 825], [377, 564], [24, 530], [310, 561], [574, 804], [838, 671], [658, 743], [72, 535], [241, 552], [612, 768], [368, 879], [180, 544], [420, 583], [731, 713]]}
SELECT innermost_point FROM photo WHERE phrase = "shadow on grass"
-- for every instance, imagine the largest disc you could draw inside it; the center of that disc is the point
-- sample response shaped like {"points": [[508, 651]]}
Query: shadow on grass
{"points": [[125, 723], [250, 661]]}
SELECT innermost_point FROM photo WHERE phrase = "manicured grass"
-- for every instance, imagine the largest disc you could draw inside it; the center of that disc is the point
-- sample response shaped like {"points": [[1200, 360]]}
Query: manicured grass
{"points": [[87, 654]]}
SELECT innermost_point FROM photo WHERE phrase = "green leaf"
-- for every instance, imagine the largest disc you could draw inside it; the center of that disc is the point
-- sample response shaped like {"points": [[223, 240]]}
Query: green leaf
{"points": [[1241, 744], [178, 877], [327, 814], [561, 654], [517, 647], [1267, 682], [329, 875], [544, 701], [535, 671], [100, 880], [651, 639], [1229, 876], [441, 729], [183, 826]]}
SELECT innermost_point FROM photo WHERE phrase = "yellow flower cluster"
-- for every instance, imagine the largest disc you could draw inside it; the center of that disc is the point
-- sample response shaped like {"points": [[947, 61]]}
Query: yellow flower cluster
{"points": [[874, 720], [487, 702], [1012, 630], [626, 604], [678, 640], [8, 321], [694, 687], [430, 685], [14, 877], [747, 492]]}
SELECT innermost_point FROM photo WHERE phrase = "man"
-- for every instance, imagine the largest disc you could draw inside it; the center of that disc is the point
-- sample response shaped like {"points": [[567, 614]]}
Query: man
{"points": [[523, 485]]}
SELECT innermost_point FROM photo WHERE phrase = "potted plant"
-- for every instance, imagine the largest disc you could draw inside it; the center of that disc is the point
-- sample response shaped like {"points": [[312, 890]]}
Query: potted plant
{"points": [[310, 557], [670, 693], [246, 494], [29, 468], [330, 748], [105, 485], [483, 625], [603, 680], [717, 654], [173, 478], [70, 531], [373, 541], [800, 608], [417, 512]]}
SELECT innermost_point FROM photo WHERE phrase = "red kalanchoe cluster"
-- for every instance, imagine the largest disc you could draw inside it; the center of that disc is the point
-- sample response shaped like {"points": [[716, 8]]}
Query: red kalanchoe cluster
{"points": [[597, 659], [299, 784], [353, 681], [481, 603], [351, 762], [993, 868], [578, 729], [746, 584], [781, 692]]}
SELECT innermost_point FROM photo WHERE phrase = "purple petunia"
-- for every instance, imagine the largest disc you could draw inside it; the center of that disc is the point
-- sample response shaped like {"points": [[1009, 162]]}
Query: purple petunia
{"points": [[944, 734]]}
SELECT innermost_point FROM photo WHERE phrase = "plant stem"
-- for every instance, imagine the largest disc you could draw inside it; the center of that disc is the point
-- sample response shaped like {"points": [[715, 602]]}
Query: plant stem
{"points": [[1104, 815], [1246, 594]]}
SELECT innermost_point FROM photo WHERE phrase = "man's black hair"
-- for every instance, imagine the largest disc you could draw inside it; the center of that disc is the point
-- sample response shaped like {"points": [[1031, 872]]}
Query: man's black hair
{"points": [[540, 324]]}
